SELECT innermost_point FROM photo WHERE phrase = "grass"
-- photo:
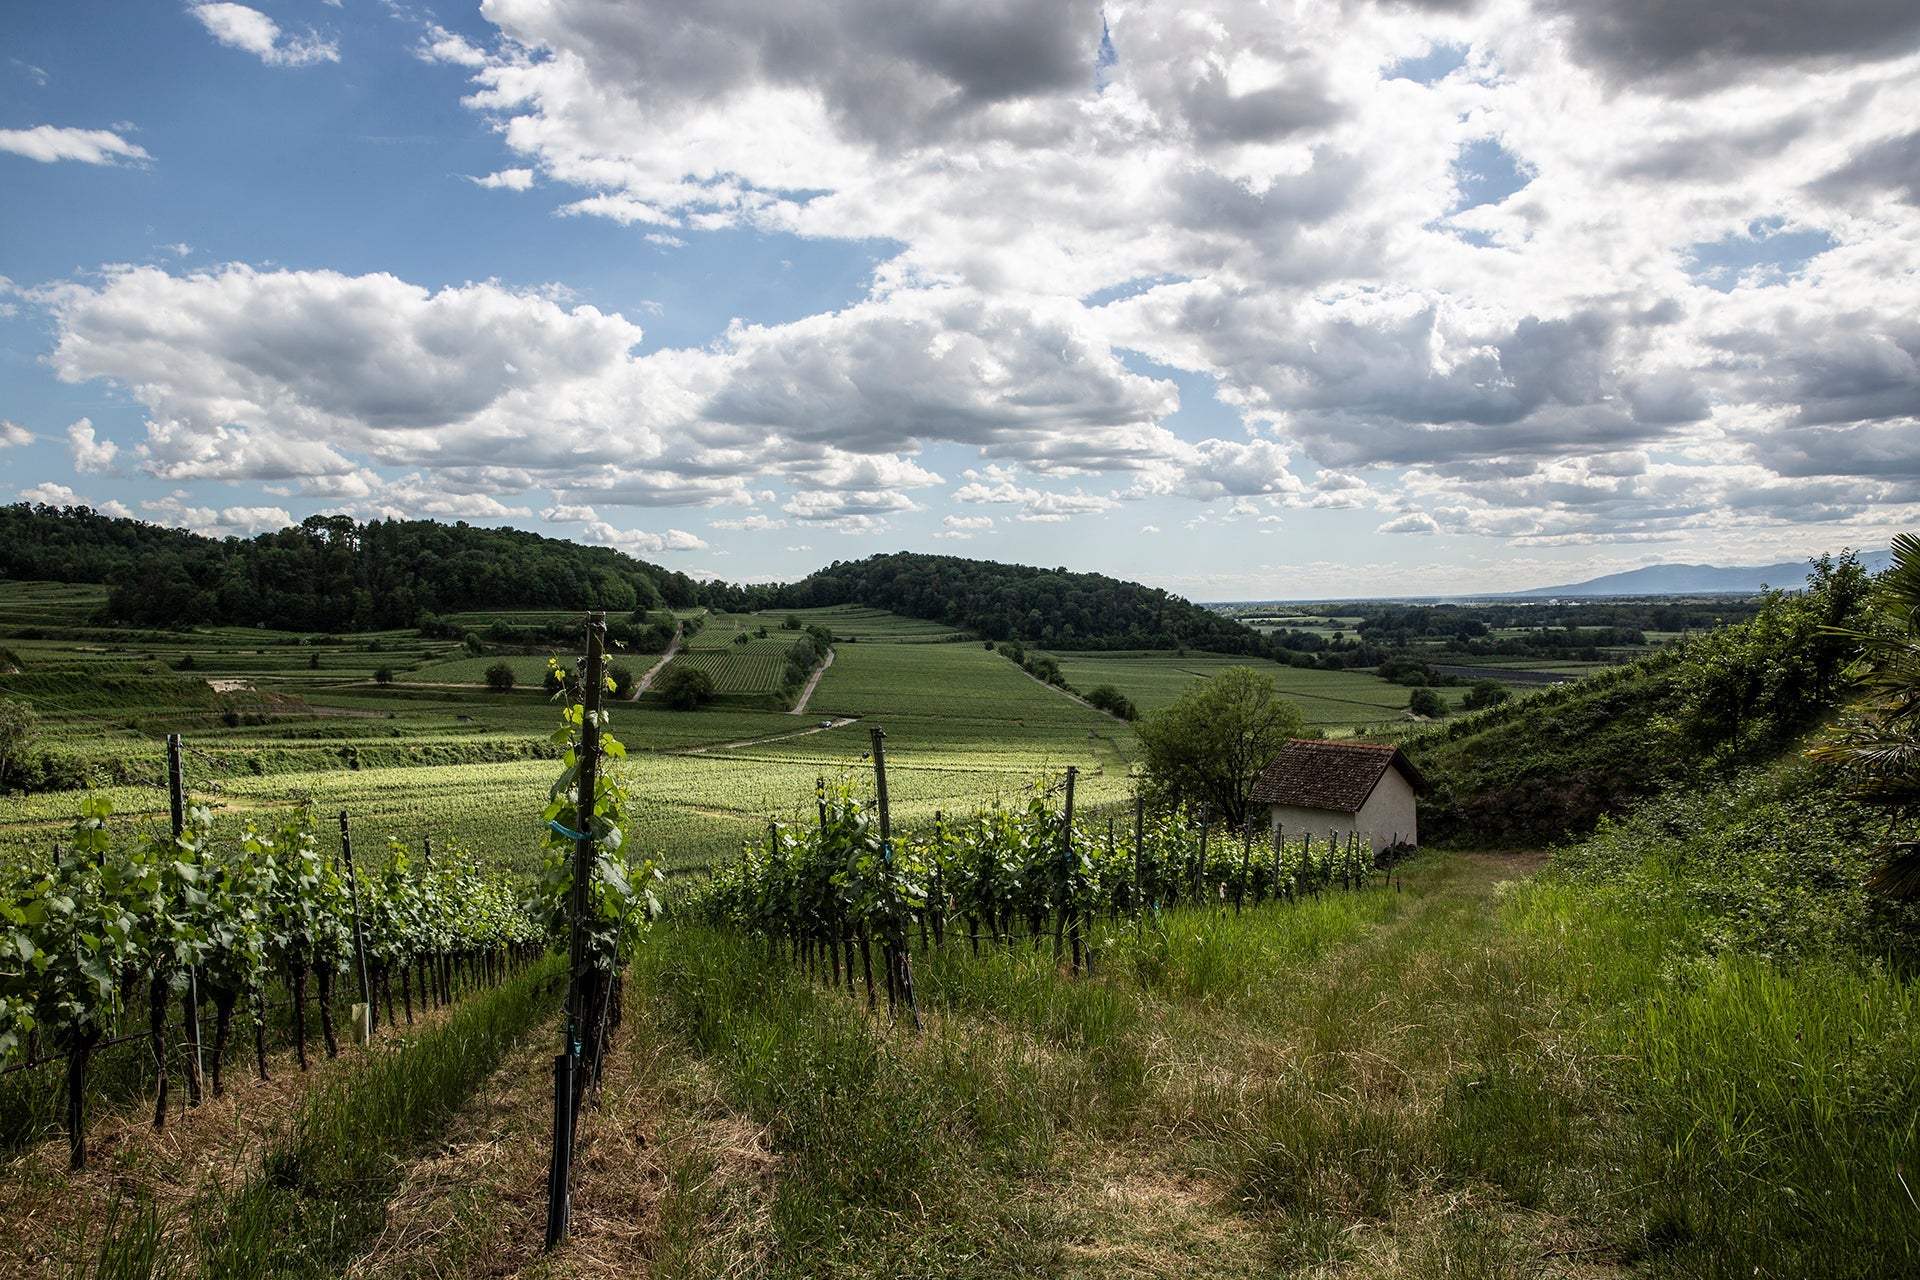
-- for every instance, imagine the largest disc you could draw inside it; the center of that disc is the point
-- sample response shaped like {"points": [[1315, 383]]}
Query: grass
{"points": [[1330, 700], [1486, 1072], [319, 1191], [1483, 1075]]}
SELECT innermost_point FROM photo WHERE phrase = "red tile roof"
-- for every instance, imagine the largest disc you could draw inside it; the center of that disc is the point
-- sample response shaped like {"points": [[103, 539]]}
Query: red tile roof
{"points": [[1331, 775]]}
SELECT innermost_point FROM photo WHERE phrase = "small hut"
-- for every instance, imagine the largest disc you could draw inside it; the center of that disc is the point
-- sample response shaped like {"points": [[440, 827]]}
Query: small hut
{"points": [[1345, 787]]}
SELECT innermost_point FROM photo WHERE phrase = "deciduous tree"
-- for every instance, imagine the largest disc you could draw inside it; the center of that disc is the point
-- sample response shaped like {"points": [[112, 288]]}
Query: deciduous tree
{"points": [[1212, 745]]}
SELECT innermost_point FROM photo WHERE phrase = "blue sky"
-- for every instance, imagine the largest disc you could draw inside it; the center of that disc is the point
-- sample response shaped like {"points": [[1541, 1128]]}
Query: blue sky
{"points": [[1242, 300]]}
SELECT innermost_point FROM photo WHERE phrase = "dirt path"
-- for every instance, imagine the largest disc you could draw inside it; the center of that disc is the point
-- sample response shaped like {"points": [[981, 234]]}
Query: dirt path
{"points": [[813, 682], [838, 722], [1303, 1115], [673, 647], [1069, 695]]}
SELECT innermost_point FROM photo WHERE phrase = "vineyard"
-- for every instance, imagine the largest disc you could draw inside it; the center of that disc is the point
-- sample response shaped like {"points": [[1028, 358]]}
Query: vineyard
{"points": [[946, 1000], [102, 921], [752, 668], [1033, 870], [107, 933]]}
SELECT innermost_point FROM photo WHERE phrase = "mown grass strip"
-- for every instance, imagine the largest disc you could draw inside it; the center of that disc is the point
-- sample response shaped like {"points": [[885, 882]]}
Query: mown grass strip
{"points": [[322, 1190]]}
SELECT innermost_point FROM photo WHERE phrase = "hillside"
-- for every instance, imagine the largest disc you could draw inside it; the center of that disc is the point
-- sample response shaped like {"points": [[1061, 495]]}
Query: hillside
{"points": [[332, 574], [327, 573], [1049, 607], [1539, 768]]}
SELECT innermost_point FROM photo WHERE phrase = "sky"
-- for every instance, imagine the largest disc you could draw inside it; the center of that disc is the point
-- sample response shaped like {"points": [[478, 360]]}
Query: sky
{"points": [[1245, 300]]}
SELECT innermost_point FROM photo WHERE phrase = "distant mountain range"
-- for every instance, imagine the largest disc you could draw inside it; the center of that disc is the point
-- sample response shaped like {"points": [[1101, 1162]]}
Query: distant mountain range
{"points": [[1694, 579]]}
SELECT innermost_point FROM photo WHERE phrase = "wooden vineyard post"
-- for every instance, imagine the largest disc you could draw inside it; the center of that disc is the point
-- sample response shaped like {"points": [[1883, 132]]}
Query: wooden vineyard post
{"points": [[190, 999], [1071, 879], [1139, 893], [567, 1066], [899, 964], [1246, 860], [1112, 911], [1279, 849], [359, 930], [1200, 875]]}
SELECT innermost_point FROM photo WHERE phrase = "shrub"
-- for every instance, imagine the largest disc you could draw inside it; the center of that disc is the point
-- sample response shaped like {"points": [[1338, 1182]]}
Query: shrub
{"points": [[500, 677], [1112, 701], [684, 688], [1425, 702], [383, 675], [621, 676], [1483, 694]]}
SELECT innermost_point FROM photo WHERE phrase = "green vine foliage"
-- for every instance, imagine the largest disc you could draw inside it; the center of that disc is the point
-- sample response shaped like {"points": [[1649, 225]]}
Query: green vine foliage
{"points": [[825, 881], [104, 917], [623, 898]]}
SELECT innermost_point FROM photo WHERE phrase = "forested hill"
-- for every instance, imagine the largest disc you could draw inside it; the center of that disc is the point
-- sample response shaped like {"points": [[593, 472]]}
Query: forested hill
{"points": [[328, 573], [1050, 607]]}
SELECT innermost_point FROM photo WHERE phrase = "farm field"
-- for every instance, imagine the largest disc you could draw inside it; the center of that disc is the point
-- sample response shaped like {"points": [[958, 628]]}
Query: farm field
{"points": [[1336, 702], [434, 754]]}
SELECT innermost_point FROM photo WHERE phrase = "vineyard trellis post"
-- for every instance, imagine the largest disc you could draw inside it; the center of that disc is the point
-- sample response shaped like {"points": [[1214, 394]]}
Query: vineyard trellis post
{"points": [[1200, 872], [898, 964], [566, 1065], [359, 931], [1139, 832], [1246, 860], [190, 999], [1071, 880], [177, 804]]}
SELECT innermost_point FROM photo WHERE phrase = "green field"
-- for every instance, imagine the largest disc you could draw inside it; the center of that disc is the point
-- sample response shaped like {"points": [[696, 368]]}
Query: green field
{"points": [[437, 754], [1336, 702]]}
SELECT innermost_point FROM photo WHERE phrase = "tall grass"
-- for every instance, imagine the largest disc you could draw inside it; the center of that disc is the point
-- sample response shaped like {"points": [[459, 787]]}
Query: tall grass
{"points": [[323, 1186], [1461, 1079]]}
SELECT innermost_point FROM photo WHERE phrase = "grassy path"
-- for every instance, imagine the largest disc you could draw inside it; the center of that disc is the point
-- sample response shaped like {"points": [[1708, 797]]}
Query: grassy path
{"points": [[1280, 1093], [1483, 1074]]}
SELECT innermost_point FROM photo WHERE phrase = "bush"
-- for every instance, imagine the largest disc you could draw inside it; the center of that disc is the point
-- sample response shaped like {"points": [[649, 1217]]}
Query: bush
{"points": [[1113, 702], [684, 688], [1407, 671], [1425, 702], [622, 677], [1483, 694], [383, 675], [500, 677]]}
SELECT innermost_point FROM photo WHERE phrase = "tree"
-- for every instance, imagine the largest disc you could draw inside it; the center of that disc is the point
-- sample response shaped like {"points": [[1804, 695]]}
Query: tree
{"points": [[1484, 693], [500, 677], [16, 726], [1214, 742], [1426, 702], [1113, 702], [1876, 745], [383, 675], [684, 688], [620, 675]]}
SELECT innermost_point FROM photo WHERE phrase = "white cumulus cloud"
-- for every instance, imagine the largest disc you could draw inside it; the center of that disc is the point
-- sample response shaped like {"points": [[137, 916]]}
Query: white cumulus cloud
{"points": [[251, 31], [48, 143], [89, 454]]}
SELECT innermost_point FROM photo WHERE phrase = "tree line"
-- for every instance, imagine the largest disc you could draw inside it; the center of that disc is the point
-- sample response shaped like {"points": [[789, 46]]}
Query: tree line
{"points": [[334, 574]]}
